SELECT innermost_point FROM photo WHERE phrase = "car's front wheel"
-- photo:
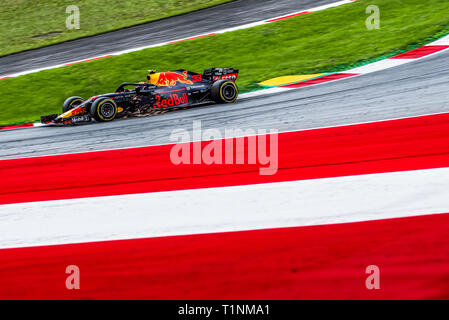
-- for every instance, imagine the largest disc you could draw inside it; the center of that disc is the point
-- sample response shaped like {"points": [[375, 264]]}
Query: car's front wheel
{"points": [[103, 109], [224, 91], [71, 103]]}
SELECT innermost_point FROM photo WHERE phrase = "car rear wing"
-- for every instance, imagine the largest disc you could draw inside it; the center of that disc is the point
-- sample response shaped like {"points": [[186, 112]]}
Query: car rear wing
{"points": [[216, 74]]}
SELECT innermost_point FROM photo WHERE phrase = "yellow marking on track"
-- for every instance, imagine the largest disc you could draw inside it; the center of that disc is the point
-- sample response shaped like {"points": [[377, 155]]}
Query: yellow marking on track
{"points": [[279, 81]]}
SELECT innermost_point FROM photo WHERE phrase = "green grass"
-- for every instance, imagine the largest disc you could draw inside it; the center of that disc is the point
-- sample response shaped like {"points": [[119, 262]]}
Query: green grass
{"points": [[325, 41], [29, 24]]}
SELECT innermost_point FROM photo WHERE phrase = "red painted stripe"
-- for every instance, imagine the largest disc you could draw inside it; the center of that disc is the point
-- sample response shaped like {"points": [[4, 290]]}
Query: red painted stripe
{"points": [[97, 58], [5, 78], [17, 126], [396, 145], [289, 16], [327, 78], [420, 52], [197, 37], [319, 262]]}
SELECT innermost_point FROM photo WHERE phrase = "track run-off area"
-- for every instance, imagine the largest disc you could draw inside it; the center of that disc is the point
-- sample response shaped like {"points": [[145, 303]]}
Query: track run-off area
{"points": [[362, 180]]}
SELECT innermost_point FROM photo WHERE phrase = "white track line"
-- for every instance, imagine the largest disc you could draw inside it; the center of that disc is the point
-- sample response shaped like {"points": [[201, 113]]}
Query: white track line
{"points": [[379, 65], [272, 205], [442, 42]]}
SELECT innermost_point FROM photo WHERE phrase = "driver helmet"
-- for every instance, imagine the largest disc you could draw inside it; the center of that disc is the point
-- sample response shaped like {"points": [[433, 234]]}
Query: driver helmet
{"points": [[150, 72]]}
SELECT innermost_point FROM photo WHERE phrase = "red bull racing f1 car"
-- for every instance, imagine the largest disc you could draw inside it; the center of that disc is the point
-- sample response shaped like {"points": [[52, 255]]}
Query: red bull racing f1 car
{"points": [[163, 91]]}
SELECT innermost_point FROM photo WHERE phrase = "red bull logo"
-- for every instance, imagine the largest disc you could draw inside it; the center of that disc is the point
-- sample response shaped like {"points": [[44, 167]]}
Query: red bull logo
{"points": [[173, 100], [169, 78]]}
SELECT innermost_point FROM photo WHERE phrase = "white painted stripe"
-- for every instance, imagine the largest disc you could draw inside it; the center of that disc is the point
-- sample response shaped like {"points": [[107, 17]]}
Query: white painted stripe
{"points": [[297, 203], [245, 26], [441, 42], [262, 92], [379, 65], [330, 5]]}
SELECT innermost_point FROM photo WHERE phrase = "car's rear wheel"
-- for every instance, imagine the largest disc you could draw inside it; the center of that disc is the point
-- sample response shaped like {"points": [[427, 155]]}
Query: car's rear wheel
{"points": [[224, 91], [71, 103], [103, 109]]}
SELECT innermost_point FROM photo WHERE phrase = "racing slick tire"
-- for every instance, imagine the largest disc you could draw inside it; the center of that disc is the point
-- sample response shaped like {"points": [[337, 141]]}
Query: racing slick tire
{"points": [[103, 109], [224, 91], [71, 102]]}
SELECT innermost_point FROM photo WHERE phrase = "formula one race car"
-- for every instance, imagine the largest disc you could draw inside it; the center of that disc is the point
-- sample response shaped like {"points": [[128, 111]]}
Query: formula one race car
{"points": [[163, 91]]}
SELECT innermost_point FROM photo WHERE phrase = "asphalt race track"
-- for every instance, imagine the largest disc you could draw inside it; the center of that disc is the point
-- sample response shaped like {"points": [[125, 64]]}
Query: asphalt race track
{"points": [[208, 20], [413, 89]]}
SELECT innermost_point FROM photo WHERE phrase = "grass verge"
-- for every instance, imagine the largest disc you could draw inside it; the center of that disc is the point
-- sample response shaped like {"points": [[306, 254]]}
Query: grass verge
{"points": [[320, 42], [29, 24]]}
